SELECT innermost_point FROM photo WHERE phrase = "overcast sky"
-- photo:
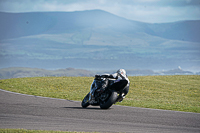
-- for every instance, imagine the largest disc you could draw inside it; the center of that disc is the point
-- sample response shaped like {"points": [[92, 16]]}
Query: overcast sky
{"points": [[152, 11]]}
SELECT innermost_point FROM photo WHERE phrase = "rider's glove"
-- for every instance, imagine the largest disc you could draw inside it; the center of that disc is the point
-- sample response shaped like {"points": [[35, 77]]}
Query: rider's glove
{"points": [[97, 77]]}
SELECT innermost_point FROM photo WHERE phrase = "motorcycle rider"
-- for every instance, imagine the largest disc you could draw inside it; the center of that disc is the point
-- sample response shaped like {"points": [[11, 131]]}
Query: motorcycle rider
{"points": [[101, 85]]}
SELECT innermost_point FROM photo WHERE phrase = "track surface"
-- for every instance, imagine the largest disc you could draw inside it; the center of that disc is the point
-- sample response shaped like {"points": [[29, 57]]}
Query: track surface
{"points": [[32, 112]]}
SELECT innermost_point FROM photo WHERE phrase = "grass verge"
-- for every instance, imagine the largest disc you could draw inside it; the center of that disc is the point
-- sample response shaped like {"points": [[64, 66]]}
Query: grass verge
{"points": [[178, 92]]}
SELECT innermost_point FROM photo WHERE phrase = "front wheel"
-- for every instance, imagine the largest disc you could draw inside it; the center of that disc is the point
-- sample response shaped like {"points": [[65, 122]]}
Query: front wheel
{"points": [[85, 102], [110, 101]]}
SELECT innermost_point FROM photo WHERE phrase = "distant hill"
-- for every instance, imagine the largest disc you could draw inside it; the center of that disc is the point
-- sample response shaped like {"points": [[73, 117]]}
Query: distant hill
{"points": [[20, 72], [95, 39], [15, 25], [181, 30]]}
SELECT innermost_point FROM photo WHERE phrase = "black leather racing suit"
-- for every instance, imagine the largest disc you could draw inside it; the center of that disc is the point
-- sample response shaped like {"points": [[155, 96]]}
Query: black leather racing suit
{"points": [[102, 84]]}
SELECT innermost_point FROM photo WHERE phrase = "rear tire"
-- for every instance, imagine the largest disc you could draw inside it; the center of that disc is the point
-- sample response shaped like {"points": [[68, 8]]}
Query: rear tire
{"points": [[111, 100], [85, 102]]}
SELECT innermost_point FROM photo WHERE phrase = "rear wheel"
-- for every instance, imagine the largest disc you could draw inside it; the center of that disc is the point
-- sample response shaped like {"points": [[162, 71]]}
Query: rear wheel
{"points": [[85, 102], [110, 101]]}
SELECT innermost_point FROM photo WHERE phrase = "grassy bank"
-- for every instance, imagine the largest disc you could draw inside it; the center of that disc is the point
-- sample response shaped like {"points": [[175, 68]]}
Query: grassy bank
{"points": [[180, 93]]}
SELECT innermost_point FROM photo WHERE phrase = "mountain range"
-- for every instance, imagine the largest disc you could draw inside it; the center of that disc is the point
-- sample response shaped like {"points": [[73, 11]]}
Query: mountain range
{"points": [[96, 39]]}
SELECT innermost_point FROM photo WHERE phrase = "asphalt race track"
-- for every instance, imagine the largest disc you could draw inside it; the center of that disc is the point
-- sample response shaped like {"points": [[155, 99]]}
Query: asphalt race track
{"points": [[32, 112]]}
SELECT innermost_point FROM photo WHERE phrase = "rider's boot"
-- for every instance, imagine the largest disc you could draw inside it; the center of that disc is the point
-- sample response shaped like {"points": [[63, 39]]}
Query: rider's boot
{"points": [[120, 98]]}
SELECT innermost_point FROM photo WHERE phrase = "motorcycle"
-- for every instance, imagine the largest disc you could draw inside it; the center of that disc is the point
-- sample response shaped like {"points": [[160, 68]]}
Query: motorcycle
{"points": [[109, 96]]}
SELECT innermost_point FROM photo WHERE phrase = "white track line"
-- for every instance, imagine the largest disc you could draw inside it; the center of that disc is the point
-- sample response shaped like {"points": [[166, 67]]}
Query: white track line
{"points": [[35, 96]]}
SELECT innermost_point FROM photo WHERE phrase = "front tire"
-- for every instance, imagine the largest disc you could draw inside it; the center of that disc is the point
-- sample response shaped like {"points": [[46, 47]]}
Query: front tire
{"points": [[85, 102], [111, 100]]}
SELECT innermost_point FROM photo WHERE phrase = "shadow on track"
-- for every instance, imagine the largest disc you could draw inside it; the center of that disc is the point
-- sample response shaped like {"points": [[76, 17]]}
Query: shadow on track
{"points": [[89, 108]]}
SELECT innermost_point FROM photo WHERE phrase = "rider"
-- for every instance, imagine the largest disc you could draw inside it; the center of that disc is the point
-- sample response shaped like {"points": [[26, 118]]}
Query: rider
{"points": [[120, 74]]}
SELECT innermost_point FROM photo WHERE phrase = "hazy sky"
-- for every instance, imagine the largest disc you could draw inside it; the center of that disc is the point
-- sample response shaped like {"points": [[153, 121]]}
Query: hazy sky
{"points": [[153, 11]]}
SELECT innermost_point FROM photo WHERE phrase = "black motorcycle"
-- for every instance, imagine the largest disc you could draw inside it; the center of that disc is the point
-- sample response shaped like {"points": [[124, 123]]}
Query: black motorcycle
{"points": [[109, 96]]}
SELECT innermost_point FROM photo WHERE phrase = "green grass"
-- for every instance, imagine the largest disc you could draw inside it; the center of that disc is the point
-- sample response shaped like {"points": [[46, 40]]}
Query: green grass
{"points": [[178, 92], [33, 131]]}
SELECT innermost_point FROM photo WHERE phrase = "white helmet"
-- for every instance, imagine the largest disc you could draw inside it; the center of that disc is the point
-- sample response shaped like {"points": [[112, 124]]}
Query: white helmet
{"points": [[121, 73]]}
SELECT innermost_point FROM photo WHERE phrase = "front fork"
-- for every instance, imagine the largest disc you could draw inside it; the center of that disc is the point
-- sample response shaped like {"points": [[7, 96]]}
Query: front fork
{"points": [[92, 90]]}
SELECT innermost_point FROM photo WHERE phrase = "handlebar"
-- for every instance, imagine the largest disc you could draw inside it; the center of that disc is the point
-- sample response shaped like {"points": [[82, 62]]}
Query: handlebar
{"points": [[99, 77]]}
